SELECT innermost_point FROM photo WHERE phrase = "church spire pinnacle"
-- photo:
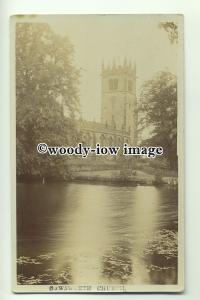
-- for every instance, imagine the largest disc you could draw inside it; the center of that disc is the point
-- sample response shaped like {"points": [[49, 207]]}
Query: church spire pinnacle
{"points": [[125, 62], [114, 64], [103, 66]]}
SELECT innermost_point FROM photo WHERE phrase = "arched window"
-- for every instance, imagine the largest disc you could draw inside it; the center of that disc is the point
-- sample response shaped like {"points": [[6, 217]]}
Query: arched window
{"points": [[113, 84], [130, 85]]}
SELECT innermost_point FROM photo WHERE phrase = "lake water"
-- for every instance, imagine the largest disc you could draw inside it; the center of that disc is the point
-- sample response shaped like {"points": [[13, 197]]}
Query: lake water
{"points": [[96, 234]]}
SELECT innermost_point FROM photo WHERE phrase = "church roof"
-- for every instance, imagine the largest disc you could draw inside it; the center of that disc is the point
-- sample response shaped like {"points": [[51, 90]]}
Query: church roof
{"points": [[93, 126]]}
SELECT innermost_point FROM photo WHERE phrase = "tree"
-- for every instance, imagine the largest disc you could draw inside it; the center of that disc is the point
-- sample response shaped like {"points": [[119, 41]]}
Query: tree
{"points": [[172, 29], [158, 114], [46, 84]]}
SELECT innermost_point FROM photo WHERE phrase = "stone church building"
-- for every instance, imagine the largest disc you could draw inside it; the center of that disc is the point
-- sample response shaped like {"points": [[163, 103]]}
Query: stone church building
{"points": [[118, 108]]}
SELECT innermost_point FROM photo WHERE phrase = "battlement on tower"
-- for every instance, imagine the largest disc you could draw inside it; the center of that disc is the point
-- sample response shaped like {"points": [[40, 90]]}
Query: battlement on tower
{"points": [[112, 69]]}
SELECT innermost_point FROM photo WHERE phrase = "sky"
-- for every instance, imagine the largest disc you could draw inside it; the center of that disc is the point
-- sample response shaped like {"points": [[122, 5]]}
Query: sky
{"points": [[98, 38]]}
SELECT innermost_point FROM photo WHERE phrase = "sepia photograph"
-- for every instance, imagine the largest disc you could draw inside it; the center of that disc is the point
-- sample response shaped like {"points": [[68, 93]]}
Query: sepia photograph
{"points": [[97, 156]]}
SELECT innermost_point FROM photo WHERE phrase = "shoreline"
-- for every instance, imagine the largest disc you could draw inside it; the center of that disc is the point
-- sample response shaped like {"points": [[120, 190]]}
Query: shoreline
{"points": [[100, 181]]}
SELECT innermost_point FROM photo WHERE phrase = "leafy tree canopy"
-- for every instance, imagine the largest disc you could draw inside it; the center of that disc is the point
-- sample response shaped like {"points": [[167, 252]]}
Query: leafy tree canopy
{"points": [[172, 30], [46, 85], [158, 113]]}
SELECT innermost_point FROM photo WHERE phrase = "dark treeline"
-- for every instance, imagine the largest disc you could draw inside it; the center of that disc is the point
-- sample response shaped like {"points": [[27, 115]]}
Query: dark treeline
{"points": [[46, 86], [158, 115]]}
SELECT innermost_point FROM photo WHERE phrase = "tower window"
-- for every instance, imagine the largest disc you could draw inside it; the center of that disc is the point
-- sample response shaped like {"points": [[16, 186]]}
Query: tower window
{"points": [[130, 85], [113, 84]]}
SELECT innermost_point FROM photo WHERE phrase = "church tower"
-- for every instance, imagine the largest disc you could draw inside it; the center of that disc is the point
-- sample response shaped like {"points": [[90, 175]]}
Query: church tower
{"points": [[119, 104]]}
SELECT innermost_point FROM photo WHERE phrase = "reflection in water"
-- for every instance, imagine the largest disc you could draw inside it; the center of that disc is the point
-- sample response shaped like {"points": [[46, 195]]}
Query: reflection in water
{"points": [[144, 227], [87, 235], [117, 265], [93, 234], [134, 220]]}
